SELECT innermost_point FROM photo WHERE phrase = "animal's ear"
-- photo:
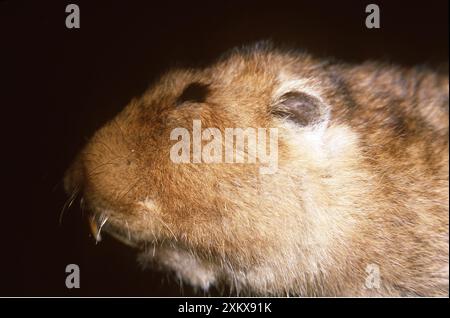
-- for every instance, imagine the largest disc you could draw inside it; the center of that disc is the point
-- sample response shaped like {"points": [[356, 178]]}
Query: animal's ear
{"points": [[300, 108]]}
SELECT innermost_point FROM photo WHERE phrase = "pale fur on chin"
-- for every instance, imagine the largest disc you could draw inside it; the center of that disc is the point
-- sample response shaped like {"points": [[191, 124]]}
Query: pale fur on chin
{"points": [[185, 265]]}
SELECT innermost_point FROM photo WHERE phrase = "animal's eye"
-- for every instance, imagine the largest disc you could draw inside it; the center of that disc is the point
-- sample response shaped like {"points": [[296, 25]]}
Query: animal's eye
{"points": [[194, 92]]}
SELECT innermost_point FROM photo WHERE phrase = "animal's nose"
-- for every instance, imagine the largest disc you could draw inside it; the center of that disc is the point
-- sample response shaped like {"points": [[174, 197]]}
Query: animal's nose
{"points": [[74, 178], [73, 185]]}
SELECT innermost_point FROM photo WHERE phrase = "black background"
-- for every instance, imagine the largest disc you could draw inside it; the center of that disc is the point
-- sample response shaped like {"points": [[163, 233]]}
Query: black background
{"points": [[58, 85]]}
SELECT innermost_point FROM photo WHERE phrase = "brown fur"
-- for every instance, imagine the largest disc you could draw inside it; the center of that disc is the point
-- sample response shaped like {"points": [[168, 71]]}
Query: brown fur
{"points": [[375, 191]]}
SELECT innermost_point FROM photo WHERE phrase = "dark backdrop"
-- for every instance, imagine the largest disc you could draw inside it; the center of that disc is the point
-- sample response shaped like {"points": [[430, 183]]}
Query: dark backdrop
{"points": [[59, 85]]}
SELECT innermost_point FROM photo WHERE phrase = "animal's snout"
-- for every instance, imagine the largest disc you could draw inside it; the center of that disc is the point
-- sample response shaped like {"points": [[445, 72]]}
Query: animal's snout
{"points": [[74, 178], [104, 168]]}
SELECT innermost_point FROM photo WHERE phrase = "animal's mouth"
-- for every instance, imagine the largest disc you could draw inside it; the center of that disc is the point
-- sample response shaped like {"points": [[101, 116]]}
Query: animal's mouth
{"points": [[104, 220], [153, 254], [96, 225], [100, 223]]}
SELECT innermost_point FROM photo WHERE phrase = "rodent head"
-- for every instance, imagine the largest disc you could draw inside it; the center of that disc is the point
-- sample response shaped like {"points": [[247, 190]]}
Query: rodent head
{"points": [[228, 216]]}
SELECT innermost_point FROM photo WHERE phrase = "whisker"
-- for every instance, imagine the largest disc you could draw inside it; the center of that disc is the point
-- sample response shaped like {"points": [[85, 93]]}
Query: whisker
{"points": [[99, 166], [121, 132], [68, 204], [120, 197], [82, 206], [108, 148], [128, 230], [166, 225], [103, 220]]}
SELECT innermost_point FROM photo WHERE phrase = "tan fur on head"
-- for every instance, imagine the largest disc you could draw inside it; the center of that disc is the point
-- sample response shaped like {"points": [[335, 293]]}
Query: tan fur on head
{"points": [[362, 179]]}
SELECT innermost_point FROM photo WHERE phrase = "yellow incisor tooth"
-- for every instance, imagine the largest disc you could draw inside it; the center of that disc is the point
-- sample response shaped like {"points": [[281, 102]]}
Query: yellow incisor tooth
{"points": [[93, 225]]}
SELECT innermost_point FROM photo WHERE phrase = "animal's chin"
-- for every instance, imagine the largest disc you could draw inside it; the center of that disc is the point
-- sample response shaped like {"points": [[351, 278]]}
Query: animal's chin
{"points": [[184, 265]]}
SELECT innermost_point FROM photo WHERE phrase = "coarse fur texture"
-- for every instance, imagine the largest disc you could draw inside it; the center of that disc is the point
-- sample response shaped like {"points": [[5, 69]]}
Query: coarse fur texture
{"points": [[366, 184]]}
